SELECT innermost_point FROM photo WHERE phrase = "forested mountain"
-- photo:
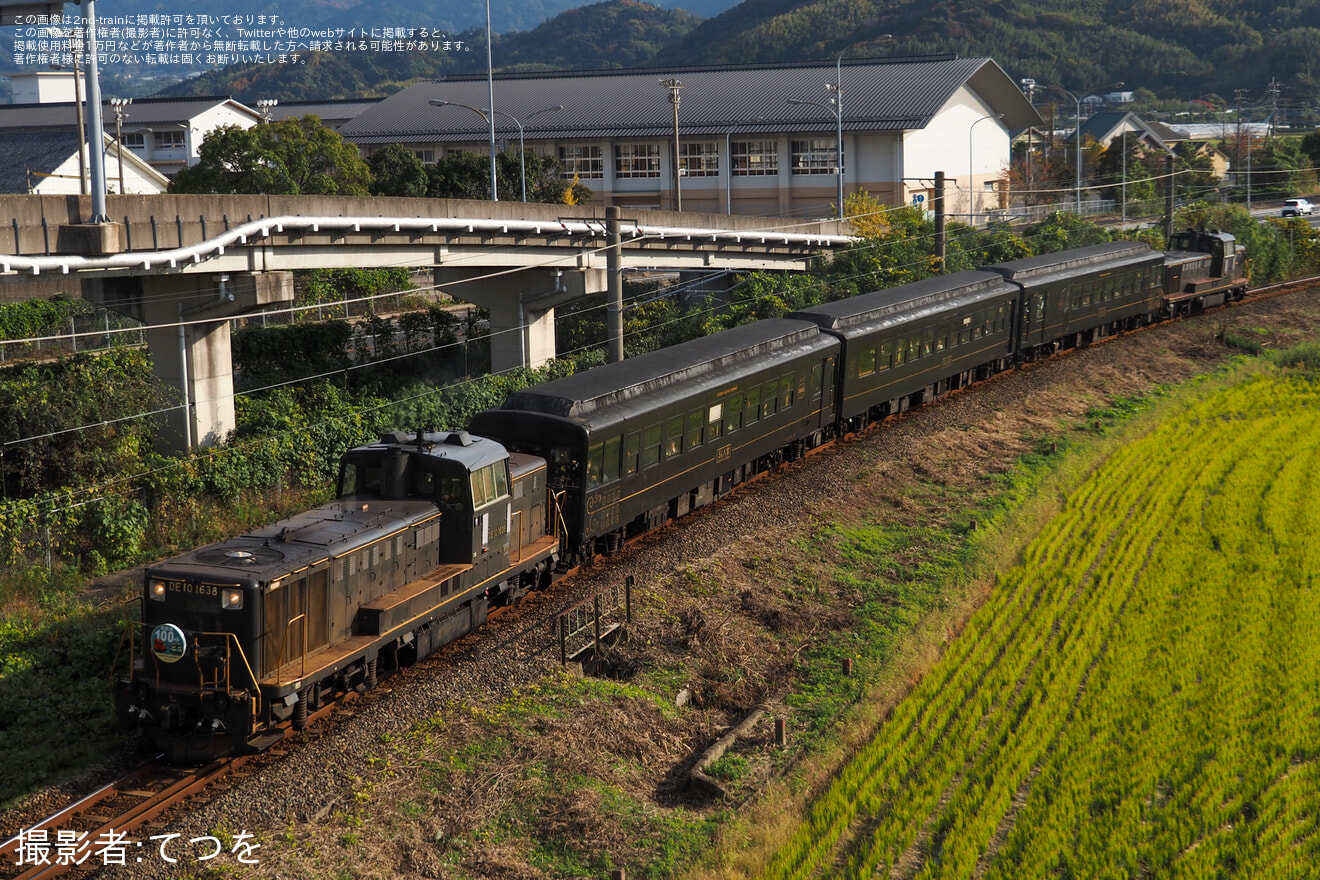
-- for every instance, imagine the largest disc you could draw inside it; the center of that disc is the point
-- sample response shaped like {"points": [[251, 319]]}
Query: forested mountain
{"points": [[1172, 50], [616, 33]]}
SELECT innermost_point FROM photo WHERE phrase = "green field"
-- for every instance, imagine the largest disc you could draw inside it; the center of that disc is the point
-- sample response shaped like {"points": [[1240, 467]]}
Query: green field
{"points": [[1140, 695]]}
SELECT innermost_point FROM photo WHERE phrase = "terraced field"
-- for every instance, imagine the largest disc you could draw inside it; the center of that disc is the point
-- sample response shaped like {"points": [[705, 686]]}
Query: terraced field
{"points": [[1139, 697]]}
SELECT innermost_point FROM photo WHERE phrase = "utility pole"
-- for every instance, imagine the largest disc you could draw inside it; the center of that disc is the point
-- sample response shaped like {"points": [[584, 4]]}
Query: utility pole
{"points": [[674, 85], [1238, 95]]}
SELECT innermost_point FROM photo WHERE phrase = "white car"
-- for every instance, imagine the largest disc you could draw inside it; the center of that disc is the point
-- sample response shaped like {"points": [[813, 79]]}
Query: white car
{"points": [[1297, 207]]}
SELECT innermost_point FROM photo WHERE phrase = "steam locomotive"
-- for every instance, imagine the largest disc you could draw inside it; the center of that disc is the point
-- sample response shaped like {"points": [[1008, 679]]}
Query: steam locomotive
{"points": [[431, 530]]}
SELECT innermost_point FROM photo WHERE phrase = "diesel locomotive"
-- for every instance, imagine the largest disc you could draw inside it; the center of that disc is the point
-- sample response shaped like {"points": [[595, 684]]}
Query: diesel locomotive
{"points": [[430, 530]]}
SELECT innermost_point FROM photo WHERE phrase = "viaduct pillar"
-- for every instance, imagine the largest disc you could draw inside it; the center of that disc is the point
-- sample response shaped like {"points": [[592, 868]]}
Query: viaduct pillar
{"points": [[522, 307], [188, 338]]}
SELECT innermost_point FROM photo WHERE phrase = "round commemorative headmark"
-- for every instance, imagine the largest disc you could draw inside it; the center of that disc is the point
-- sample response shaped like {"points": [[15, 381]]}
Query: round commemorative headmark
{"points": [[168, 643]]}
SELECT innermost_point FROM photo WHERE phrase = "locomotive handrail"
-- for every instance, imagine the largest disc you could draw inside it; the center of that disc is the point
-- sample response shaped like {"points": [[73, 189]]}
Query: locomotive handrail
{"points": [[560, 523], [129, 633], [279, 663]]}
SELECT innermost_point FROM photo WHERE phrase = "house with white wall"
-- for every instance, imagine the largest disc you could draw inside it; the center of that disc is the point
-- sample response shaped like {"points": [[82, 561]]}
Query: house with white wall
{"points": [[751, 139], [163, 132]]}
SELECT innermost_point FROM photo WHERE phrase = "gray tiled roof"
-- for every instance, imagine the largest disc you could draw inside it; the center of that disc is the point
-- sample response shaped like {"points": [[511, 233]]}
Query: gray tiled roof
{"points": [[892, 94], [143, 111], [37, 151]]}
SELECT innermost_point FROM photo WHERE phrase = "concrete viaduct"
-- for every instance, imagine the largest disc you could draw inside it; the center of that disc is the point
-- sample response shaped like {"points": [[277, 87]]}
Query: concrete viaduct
{"points": [[185, 264]]}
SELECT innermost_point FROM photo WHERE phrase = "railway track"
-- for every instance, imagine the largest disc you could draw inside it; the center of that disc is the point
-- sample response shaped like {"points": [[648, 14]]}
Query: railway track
{"points": [[105, 827]]}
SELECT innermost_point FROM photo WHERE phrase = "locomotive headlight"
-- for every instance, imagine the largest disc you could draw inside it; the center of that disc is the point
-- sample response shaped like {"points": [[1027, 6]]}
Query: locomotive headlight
{"points": [[157, 591], [231, 599]]}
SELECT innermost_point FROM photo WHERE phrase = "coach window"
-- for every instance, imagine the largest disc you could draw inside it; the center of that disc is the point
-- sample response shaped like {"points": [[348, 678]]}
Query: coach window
{"points": [[753, 406], [868, 362], [815, 382], [631, 445], [651, 446], [733, 413], [1086, 294], [715, 421], [694, 426], [610, 467], [900, 351], [674, 436], [941, 338], [1002, 321], [769, 398], [595, 461], [978, 325], [786, 391], [886, 352]]}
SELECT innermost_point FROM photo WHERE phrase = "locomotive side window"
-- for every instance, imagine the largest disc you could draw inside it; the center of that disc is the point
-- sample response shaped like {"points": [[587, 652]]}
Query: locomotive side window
{"points": [[868, 362], [360, 479], [613, 447], [423, 483], [674, 437], [450, 491], [500, 472], [631, 448], [753, 408], [651, 446], [694, 426]]}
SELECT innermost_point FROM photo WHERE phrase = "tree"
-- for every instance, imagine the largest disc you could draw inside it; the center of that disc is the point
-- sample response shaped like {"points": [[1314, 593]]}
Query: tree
{"points": [[466, 175], [396, 171], [289, 157]]}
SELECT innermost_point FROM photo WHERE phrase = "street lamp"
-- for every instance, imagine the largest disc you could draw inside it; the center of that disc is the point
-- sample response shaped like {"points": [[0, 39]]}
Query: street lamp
{"points": [[490, 118], [265, 105], [119, 104], [1077, 133], [1029, 86], [674, 85], [971, 190], [490, 102], [522, 153]]}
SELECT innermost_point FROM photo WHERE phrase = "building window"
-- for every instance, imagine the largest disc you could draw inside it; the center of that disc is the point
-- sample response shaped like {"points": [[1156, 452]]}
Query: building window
{"points": [[754, 158], [699, 159], [136, 141], [169, 140], [814, 157], [427, 156], [637, 160], [583, 161]]}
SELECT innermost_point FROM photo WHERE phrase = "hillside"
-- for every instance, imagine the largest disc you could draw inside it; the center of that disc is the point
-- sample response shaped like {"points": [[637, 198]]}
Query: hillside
{"points": [[1172, 50], [1196, 49], [616, 33]]}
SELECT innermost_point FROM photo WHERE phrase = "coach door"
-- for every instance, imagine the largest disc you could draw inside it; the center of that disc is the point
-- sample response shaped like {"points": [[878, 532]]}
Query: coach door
{"points": [[1034, 320], [822, 390]]}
